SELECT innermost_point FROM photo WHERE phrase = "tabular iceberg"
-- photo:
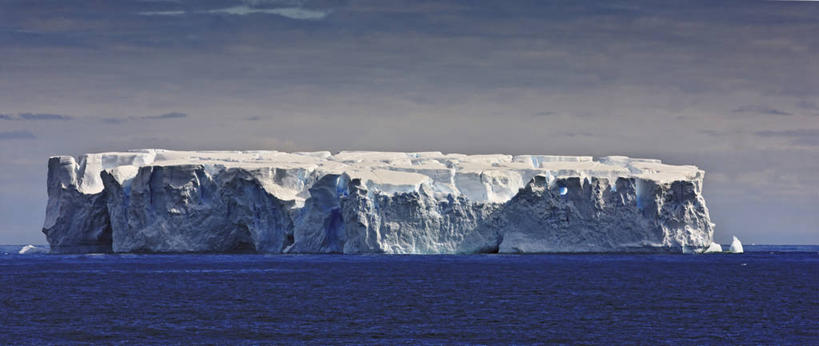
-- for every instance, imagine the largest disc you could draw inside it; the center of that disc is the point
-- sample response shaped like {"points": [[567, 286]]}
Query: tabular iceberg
{"points": [[351, 202]]}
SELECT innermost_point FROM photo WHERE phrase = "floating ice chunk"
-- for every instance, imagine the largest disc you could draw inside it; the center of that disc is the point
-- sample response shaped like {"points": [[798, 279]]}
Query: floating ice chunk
{"points": [[31, 250], [713, 248], [736, 246]]}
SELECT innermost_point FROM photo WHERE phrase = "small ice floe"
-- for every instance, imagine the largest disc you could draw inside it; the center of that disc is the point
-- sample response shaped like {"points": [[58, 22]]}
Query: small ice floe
{"points": [[31, 249], [713, 248], [736, 246]]}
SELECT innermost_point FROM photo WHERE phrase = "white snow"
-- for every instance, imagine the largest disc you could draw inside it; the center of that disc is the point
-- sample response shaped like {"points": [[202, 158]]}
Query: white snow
{"points": [[422, 202], [494, 178]]}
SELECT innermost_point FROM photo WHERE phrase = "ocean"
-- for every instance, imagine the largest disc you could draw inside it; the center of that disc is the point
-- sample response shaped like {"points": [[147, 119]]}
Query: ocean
{"points": [[769, 295]]}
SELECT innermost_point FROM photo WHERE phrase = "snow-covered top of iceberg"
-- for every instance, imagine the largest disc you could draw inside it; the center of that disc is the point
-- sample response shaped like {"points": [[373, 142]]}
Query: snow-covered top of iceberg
{"points": [[489, 178]]}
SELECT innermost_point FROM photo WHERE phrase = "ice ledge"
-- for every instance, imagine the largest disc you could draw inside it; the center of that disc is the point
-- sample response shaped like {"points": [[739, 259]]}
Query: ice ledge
{"points": [[483, 178]]}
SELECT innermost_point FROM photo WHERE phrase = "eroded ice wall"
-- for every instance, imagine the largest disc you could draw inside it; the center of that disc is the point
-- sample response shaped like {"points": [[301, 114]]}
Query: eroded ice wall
{"points": [[371, 202]]}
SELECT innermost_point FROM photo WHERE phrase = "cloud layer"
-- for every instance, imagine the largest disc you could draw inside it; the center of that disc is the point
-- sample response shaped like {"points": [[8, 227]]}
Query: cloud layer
{"points": [[807, 137], [12, 135], [759, 109], [249, 8], [35, 117]]}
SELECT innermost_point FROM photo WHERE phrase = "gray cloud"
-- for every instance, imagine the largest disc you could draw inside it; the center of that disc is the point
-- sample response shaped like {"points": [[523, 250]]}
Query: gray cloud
{"points": [[161, 13], [804, 104], [114, 120], [719, 133], [35, 116], [713, 133], [250, 7], [801, 137], [171, 115], [760, 109], [544, 114], [43, 116], [11, 135], [578, 134], [274, 2], [289, 12], [811, 107]]}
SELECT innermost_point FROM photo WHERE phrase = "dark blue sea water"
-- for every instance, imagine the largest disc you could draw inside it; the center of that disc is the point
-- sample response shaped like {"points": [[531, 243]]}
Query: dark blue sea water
{"points": [[769, 295]]}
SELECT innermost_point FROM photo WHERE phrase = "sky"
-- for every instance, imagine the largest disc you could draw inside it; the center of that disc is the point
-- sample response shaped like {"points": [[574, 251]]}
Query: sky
{"points": [[732, 87]]}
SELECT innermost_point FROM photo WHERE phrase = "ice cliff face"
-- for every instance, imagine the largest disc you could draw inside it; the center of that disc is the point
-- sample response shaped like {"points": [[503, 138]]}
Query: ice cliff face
{"points": [[371, 202]]}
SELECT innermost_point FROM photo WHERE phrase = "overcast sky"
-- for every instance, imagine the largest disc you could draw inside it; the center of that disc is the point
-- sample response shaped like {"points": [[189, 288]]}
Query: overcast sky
{"points": [[732, 87]]}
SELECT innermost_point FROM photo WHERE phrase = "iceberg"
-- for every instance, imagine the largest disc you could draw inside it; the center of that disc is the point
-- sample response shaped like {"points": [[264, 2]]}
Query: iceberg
{"points": [[736, 246], [714, 248], [32, 249], [354, 202]]}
